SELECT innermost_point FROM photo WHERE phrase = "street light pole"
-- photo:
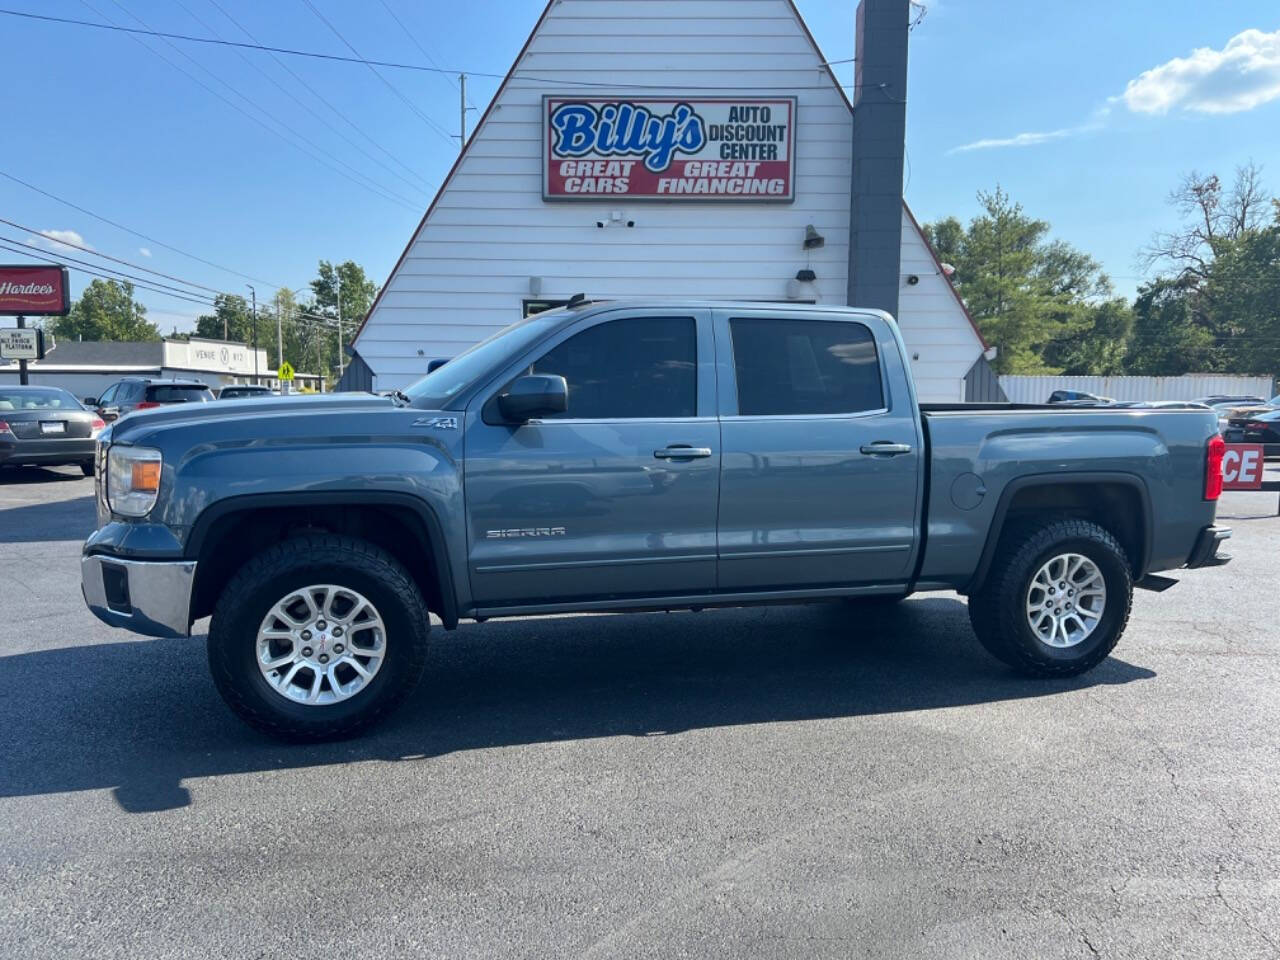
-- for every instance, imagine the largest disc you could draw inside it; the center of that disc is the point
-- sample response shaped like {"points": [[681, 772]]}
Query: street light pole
{"points": [[279, 333], [255, 331], [338, 272]]}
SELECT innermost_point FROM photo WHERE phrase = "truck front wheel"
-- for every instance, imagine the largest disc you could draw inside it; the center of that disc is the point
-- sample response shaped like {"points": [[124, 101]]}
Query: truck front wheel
{"points": [[318, 637], [1056, 599]]}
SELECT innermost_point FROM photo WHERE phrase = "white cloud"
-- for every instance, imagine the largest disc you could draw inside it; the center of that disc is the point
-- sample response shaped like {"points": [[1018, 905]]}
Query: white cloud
{"points": [[145, 251], [1242, 75], [1034, 138], [58, 240], [1029, 139]]}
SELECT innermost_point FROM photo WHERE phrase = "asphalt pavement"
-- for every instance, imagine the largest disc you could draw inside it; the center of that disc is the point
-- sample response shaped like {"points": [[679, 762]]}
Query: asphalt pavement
{"points": [[804, 781]]}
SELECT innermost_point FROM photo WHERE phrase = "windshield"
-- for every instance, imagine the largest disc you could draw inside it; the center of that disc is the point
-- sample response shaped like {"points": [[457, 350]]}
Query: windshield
{"points": [[38, 398], [438, 388]]}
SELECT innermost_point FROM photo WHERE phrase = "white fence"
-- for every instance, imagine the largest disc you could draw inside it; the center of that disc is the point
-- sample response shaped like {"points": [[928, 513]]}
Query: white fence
{"points": [[1192, 386]]}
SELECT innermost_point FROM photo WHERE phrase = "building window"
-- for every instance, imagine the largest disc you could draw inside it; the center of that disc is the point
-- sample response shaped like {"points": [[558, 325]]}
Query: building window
{"points": [[796, 367], [636, 367]]}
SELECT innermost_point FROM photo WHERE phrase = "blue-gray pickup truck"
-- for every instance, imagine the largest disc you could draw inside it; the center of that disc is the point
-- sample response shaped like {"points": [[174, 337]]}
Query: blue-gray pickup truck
{"points": [[630, 456]]}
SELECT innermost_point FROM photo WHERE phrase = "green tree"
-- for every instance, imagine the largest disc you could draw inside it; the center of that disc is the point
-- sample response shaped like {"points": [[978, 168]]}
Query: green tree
{"points": [[232, 319], [106, 310], [1242, 293], [1166, 339], [1034, 298], [1100, 346], [358, 293]]}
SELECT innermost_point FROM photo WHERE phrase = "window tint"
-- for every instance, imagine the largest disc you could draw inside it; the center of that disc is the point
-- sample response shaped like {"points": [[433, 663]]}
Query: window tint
{"points": [[630, 368], [110, 395], [169, 393], [804, 367], [38, 398]]}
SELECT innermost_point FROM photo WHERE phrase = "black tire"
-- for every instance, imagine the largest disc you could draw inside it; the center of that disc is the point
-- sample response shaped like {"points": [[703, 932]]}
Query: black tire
{"points": [[87, 468], [998, 610], [293, 564]]}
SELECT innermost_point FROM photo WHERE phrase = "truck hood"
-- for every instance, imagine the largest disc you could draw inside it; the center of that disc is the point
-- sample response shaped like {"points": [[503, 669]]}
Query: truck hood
{"points": [[135, 426]]}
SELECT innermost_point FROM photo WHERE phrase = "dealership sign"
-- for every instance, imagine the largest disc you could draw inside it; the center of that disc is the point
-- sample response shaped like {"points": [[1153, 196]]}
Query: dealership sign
{"points": [[1242, 466], [699, 148], [34, 291]]}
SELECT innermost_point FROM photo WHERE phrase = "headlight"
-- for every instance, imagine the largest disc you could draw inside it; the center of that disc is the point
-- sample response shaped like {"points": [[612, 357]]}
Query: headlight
{"points": [[133, 480]]}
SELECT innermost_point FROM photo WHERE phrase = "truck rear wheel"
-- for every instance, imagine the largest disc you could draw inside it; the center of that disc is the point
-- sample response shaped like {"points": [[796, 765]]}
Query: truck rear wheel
{"points": [[1056, 600], [318, 637]]}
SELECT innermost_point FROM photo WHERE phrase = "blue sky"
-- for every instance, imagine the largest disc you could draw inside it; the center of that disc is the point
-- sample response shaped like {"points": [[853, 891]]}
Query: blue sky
{"points": [[1104, 105]]}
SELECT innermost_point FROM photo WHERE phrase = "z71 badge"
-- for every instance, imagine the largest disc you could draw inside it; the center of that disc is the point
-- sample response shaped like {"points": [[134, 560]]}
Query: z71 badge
{"points": [[516, 532]]}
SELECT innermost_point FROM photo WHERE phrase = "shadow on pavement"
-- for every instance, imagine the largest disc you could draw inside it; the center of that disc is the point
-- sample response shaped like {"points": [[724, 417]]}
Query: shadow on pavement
{"points": [[142, 717], [52, 520]]}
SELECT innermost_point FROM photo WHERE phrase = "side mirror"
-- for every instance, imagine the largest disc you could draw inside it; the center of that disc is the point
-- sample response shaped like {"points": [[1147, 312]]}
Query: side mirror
{"points": [[534, 396], [436, 364], [90, 401]]}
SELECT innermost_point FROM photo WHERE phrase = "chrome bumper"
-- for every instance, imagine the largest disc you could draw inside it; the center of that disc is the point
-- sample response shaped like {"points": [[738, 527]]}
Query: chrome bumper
{"points": [[146, 596]]}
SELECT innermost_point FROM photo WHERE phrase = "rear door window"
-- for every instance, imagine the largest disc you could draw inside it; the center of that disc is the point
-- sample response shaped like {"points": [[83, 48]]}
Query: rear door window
{"points": [[797, 367]]}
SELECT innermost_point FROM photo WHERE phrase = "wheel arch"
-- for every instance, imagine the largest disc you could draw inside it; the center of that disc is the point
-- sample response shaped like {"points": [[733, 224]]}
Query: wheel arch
{"points": [[230, 531], [1119, 501]]}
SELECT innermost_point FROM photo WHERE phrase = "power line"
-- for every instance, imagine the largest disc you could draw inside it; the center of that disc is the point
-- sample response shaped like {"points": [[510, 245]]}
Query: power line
{"points": [[374, 70], [324, 100], [105, 256], [551, 81], [311, 110], [104, 272], [286, 136], [142, 236]]}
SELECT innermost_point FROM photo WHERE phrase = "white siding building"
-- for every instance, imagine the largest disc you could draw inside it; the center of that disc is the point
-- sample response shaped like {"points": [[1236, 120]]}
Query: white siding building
{"points": [[489, 242]]}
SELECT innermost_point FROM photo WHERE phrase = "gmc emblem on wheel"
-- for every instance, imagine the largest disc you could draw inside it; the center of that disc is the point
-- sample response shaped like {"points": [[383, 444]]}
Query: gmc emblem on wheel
{"points": [[516, 532]]}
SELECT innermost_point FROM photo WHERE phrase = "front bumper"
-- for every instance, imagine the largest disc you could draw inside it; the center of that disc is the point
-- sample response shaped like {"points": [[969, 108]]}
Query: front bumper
{"points": [[150, 597], [1205, 552]]}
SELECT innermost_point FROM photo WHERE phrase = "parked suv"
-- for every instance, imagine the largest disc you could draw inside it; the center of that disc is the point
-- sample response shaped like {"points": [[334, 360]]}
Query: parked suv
{"points": [[140, 393]]}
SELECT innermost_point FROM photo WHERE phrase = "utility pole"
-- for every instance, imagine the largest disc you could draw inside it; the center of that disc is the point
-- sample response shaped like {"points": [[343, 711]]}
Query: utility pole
{"points": [[255, 331], [279, 332], [338, 273], [462, 113], [22, 364]]}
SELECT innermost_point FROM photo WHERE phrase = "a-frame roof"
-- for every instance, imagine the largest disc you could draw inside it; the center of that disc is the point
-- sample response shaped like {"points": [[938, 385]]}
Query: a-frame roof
{"points": [[497, 98]]}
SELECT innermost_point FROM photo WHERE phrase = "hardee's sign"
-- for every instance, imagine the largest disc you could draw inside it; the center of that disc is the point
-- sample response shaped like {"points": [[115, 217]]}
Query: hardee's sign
{"points": [[34, 291], [700, 149]]}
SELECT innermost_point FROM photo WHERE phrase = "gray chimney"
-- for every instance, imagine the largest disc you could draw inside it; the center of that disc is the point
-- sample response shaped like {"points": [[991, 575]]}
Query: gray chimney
{"points": [[879, 135]]}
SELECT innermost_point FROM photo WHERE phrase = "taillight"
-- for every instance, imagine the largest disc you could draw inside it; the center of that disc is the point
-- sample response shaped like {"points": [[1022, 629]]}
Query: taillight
{"points": [[145, 405], [1213, 467], [4, 427], [99, 423]]}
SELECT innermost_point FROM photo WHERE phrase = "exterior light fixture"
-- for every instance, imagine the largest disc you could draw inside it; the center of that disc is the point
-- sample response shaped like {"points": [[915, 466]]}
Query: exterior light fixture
{"points": [[806, 276], [813, 239]]}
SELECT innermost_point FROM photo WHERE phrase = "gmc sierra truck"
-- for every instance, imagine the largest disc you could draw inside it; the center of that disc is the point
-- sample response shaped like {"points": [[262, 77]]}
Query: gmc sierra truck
{"points": [[630, 456]]}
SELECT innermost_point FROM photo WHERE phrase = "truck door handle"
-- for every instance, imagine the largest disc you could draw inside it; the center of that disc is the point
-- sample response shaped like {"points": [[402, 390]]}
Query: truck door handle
{"points": [[678, 451], [883, 448]]}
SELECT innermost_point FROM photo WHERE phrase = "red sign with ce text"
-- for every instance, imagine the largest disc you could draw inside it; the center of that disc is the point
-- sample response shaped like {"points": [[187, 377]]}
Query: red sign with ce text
{"points": [[1242, 466], [29, 290]]}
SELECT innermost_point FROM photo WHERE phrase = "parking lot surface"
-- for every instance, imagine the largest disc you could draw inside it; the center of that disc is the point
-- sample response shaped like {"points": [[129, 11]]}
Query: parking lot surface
{"points": [[816, 781]]}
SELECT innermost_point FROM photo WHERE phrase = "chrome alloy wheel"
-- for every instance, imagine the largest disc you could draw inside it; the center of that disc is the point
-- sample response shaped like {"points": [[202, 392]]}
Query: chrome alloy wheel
{"points": [[321, 644], [1065, 600]]}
